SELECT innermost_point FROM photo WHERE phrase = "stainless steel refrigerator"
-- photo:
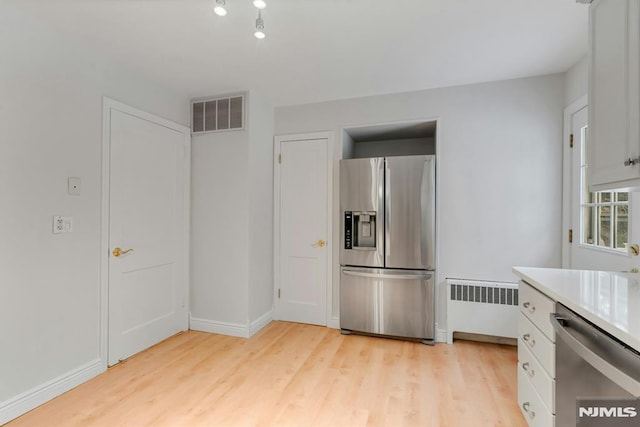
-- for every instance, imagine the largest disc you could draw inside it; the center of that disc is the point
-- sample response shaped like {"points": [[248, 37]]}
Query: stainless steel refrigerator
{"points": [[387, 251]]}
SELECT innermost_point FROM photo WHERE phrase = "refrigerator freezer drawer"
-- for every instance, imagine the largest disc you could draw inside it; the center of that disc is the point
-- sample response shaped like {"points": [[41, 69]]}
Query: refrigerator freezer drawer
{"points": [[388, 302]]}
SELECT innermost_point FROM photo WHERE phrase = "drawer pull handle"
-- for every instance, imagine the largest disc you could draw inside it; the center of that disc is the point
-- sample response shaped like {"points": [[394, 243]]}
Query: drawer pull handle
{"points": [[530, 341], [525, 408], [529, 307], [530, 372]]}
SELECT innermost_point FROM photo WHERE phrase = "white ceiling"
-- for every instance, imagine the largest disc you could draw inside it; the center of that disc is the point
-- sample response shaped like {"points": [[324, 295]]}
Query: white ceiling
{"points": [[319, 50]]}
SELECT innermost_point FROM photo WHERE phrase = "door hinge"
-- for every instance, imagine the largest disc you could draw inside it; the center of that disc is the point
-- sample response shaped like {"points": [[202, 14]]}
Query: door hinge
{"points": [[279, 158], [570, 236], [278, 292], [571, 141]]}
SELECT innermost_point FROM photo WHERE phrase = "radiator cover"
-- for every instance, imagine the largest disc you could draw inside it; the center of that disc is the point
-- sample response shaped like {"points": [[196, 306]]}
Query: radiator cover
{"points": [[482, 307]]}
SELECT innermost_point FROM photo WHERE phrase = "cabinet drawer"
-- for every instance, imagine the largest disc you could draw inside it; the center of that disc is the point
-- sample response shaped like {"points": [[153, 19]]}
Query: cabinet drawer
{"points": [[541, 347], [537, 376], [537, 308], [531, 406]]}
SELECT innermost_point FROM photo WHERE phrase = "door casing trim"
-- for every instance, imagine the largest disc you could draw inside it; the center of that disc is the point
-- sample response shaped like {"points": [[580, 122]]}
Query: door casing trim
{"points": [[573, 108], [276, 217]]}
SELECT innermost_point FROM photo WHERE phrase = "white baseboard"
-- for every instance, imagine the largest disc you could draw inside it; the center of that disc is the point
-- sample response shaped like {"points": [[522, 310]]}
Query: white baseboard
{"points": [[441, 336], [23, 403], [233, 329], [216, 327], [260, 322], [334, 323]]}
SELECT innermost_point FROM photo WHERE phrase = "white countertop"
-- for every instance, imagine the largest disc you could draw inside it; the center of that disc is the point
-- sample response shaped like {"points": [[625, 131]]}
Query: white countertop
{"points": [[609, 300]]}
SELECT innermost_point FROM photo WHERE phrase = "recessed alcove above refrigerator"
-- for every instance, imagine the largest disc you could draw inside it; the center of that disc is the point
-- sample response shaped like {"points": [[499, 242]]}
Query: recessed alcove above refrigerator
{"points": [[386, 140]]}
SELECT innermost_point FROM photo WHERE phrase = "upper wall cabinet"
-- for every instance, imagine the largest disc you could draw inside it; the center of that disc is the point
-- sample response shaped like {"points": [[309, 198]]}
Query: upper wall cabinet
{"points": [[613, 156]]}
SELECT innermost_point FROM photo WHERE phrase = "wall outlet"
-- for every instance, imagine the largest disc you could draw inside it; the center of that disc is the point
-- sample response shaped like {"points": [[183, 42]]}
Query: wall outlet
{"points": [[62, 224]]}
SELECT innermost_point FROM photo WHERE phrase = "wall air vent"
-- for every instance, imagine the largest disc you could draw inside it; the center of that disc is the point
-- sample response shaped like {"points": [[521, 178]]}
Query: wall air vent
{"points": [[219, 114]]}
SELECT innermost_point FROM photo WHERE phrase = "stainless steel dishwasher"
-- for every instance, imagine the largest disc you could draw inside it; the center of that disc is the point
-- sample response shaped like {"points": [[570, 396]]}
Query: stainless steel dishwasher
{"points": [[596, 368]]}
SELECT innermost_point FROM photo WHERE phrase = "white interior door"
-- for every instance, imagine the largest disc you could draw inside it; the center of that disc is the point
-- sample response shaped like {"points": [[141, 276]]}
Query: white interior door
{"points": [[148, 211], [303, 224]]}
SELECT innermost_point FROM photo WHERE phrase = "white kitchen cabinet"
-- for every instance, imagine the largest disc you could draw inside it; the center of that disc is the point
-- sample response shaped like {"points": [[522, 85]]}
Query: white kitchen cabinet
{"points": [[534, 411], [613, 142], [536, 357], [543, 348]]}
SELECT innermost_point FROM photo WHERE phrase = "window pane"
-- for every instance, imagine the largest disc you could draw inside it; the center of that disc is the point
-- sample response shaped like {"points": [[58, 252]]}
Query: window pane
{"points": [[622, 221], [604, 226], [587, 221], [605, 197], [622, 196]]}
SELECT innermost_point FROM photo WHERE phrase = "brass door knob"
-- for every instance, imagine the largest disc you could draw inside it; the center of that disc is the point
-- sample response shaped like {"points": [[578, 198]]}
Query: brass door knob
{"points": [[118, 251], [320, 243]]}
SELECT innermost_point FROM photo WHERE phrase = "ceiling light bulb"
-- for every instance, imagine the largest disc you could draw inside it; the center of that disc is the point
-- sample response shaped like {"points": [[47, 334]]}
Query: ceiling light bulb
{"points": [[260, 4], [219, 9], [259, 35]]}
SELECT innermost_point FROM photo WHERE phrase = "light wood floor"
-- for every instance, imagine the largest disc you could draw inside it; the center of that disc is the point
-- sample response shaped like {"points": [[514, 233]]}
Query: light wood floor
{"points": [[295, 375]]}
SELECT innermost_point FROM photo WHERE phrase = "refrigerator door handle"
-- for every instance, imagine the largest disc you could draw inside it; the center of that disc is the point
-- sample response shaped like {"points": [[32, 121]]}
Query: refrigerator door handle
{"points": [[425, 276], [428, 191], [387, 213]]}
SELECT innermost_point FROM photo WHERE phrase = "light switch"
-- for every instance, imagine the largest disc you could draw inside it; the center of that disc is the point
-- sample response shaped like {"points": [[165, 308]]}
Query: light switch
{"points": [[74, 185], [68, 224]]}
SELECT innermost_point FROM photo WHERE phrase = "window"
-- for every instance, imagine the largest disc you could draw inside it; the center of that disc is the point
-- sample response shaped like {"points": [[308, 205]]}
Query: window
{"points": [[605, 214]]}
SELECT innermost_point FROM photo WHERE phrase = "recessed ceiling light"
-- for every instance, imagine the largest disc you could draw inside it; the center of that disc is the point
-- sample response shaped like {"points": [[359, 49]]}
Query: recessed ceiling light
{"points": [[260, 4], [219, 9]]}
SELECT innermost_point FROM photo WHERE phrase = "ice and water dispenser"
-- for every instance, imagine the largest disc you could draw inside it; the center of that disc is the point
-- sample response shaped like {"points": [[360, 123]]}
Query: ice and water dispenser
{"points": [[360, 230]]}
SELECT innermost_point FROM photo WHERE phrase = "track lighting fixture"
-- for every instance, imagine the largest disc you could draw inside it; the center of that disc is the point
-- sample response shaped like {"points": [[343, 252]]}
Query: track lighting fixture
{"points": [[220, 10], [259, 34]]}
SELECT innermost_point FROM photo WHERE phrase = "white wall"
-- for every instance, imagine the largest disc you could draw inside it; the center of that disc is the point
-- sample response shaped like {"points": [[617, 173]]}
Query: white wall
{"points": [[499, 169], [51, 92], [232, 224], [576, 81], [395, 147], [219, 227], [261, 120]]}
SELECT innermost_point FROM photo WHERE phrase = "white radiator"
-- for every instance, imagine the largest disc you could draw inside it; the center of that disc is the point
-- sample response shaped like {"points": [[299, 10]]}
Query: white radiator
{"points": [[479, 307]]}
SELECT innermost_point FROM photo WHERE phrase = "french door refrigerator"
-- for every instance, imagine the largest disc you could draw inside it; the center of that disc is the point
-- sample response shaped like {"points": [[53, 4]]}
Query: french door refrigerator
{"points": [[387, 251]]}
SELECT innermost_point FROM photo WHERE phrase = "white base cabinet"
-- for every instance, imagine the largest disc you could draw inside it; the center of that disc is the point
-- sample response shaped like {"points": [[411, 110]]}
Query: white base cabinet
{"points": [[534, 411], [536, 357]]}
